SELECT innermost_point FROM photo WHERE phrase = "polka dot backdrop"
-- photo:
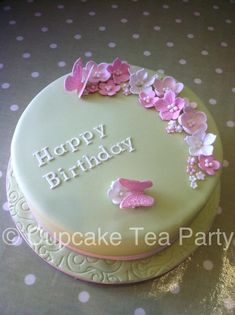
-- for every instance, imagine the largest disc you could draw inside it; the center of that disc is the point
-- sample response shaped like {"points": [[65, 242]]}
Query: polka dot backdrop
{"points": [[191, 40]]}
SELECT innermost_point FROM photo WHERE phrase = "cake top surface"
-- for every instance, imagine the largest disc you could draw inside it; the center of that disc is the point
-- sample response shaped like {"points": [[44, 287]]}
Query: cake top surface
{"points": [[66, 152]]}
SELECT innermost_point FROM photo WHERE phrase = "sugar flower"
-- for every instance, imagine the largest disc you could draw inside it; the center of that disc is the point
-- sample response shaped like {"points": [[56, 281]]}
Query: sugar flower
{"points": [[169, 106], [99, 73], [140, 80], [120, 71], [192, 120], [208, 164], [200, 143], [117, 192], [109, 88], [147, 98], [167, 84]]}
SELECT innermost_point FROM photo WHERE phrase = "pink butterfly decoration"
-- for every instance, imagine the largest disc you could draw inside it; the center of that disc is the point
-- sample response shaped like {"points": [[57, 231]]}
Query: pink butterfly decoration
{"points": [[130, 193], [78, 78]]}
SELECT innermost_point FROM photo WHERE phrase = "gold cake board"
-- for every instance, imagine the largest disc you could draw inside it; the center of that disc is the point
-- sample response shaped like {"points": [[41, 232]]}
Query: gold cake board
{"points": [[102, 270]]}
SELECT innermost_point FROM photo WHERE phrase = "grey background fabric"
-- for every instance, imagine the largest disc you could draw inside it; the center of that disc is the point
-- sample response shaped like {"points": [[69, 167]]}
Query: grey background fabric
{"points": [[192, 40]]}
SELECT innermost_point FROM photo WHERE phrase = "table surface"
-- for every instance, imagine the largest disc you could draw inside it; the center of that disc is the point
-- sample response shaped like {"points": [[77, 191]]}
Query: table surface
{"points": [[192, 40]]}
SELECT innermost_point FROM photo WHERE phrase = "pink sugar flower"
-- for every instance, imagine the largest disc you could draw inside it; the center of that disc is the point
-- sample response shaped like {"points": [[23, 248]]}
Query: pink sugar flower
{"points": [[119, 71], [208, 164], [167, 84], [92, 88], [147, 98], [109, 88], [99, 73], [192, 120], [169, 106]]}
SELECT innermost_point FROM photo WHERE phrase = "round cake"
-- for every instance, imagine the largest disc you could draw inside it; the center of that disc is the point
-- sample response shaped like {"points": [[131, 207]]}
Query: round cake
{"points": [[114, 160]]}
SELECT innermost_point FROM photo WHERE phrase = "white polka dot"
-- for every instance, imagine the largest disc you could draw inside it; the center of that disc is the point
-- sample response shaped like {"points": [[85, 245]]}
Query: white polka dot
{"points": [[124, 20], [136, 36], [146, 13], [69, 21], [30, 1], [165, 6], [204, 52], [224, 44], [147, 53], [35, 74], [215, 7], [114, 6], [225, 163], [12, 22], [212, 101], [175, 288], [84, 296], [92, 13], [219, 210], [7, 8], [1, 65], [170, 44], [26, 55], [139, 311], [197, 81], [185, 1], [228, 21], [78, 36], [61, 64], [102, 28], [196, 13], [112, 45], [5, 206], [157, 28], [19, 38], [14, 107], [44, 29], [178, 21], [230, 123], [29, 279], [88, 54], [37, 14], [218, 70], [229, 303], [53, 45], [60, 6], [17, 240], [5, 85], [182, 61], [210, 28], [190, 36], [233, 89], [0, 174], [208, 264], [83, 0]]}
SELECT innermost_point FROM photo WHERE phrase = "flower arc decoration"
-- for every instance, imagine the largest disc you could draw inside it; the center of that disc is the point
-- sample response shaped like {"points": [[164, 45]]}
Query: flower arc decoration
{"points": [[130, 193], [154, 92]]}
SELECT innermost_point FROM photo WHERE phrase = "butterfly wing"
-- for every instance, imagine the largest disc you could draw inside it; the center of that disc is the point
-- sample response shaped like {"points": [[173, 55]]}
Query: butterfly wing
{"points": [[136, 200], [73, 81], [135, 185]]}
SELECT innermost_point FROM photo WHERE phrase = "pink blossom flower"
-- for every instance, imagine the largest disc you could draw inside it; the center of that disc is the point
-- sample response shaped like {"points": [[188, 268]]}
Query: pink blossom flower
{"points": [[193, 121], [117, 192], [208, 164], [140, 80], [190, 169], [99, 73], [147, 98], [169, 106], [200, 143], [119, 71], [167, 84], [92, 87], [108, 88]]}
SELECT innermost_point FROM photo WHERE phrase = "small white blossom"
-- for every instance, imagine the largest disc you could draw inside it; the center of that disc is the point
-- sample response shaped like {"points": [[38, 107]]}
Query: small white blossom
{"points": [[200, 175]]}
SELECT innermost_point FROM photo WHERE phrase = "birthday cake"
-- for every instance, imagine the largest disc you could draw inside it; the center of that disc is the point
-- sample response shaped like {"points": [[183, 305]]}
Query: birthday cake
{"points": [[113, 159]]}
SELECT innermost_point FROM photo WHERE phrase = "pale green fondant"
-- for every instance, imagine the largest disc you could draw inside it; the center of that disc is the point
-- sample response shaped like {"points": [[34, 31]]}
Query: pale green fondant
{"points": [[55, 116], [102, 270]]}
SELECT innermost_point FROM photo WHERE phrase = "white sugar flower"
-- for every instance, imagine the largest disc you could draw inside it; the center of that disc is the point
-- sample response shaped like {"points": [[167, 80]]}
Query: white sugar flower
{"points": [[117, 192], [200, 143], [140, 80], [200, 175]]}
